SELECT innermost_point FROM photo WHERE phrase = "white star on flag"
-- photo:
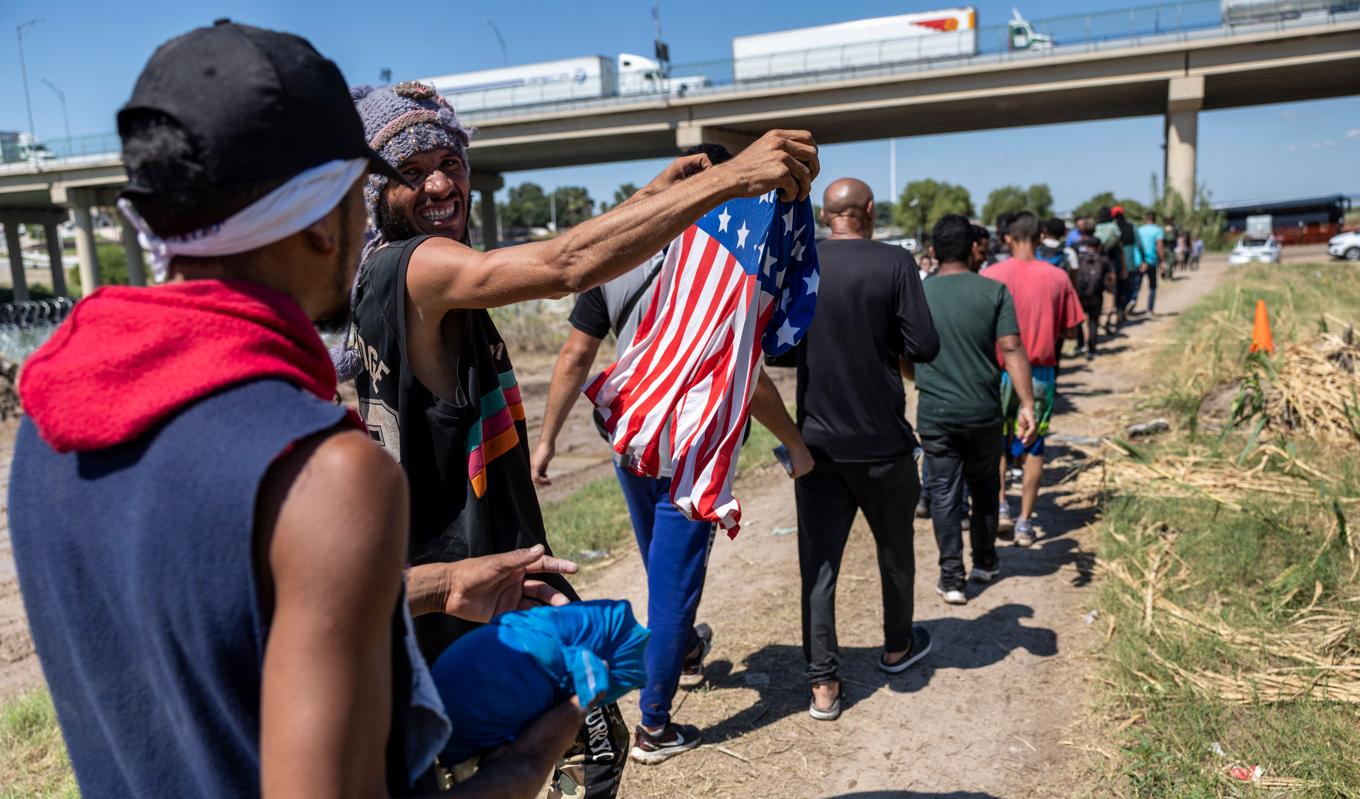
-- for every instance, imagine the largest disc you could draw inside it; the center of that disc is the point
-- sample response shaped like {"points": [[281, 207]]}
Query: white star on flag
{"points": [[766, 198], [797, 251], [813, 281], [722, 220], [787, 333], [788, 221], [741, 235]]}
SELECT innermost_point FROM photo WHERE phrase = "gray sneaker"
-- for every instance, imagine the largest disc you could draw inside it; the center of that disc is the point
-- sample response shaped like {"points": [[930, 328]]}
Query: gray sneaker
{"points": [[1024, 533]]}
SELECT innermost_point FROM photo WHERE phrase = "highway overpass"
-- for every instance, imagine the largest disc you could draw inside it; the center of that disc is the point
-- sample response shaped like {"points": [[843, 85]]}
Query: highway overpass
{"points": [[1175, 74]]}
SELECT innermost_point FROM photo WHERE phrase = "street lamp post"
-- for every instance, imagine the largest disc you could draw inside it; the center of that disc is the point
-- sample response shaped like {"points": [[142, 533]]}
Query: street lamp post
{"points": [[65, 118], [23, 73]]}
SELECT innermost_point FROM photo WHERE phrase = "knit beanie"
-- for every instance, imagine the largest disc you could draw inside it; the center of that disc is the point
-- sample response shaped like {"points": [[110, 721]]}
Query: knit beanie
{"points": [[400, 121]]}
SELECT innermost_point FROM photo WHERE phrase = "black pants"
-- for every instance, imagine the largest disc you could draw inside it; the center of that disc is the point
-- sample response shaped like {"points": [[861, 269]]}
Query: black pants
{"points": [[1092, 325], [827, 499], [972, 457]]}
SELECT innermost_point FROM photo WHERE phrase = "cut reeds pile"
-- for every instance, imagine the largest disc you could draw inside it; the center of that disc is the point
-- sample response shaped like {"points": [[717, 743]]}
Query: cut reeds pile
{"points": [[1267, 471], [1317, 390]]}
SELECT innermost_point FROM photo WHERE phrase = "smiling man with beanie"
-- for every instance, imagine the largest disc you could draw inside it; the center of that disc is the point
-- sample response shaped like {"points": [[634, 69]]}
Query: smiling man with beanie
{"points": [[435, 383], [217, 610]]}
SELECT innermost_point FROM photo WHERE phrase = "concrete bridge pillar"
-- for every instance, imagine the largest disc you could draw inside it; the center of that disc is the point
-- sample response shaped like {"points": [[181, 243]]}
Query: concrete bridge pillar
{"points": [[53, 236], [687, 136], [16, 260], [85, 247], [1185, 98], [136, 266], [486, 184]]}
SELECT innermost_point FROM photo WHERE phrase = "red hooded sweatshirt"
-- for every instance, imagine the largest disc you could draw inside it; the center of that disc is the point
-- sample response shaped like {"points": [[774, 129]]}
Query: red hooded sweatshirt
{"points": [[129, 358]]}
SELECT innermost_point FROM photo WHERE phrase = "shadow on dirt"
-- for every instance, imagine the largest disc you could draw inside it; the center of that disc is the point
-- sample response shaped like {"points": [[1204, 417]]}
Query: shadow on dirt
{"points": [[914, 795], [777, 670]]}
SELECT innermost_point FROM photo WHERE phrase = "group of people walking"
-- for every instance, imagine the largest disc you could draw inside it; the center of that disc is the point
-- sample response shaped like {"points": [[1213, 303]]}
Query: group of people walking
{"points": [[236, 586]]}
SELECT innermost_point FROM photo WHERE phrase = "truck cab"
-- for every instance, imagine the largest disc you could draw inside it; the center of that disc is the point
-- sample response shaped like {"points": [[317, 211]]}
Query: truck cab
{"points": [[642, 75], [1022, 35]]}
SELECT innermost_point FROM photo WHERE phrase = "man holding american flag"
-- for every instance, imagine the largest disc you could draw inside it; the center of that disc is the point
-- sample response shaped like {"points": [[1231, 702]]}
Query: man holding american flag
{"points": [[674, 548]]}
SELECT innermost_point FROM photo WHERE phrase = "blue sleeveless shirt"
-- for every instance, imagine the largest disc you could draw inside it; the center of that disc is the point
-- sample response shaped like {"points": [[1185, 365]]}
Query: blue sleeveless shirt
{"points": [[136, 566]]}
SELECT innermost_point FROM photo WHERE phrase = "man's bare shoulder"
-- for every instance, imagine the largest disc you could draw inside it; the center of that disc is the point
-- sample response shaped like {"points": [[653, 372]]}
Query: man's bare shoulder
{"points": [[335, 501]]}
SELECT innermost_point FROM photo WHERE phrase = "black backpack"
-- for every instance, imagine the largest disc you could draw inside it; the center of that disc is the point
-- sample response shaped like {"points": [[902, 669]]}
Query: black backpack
{"points": [[1089, 279]]}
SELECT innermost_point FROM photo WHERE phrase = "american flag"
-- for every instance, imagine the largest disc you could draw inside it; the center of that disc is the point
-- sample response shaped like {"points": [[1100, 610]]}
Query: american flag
{"points": [[744, 276]]}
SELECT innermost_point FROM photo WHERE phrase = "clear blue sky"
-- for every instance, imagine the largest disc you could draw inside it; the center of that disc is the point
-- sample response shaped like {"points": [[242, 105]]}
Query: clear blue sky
{"points": [[94, 50]]}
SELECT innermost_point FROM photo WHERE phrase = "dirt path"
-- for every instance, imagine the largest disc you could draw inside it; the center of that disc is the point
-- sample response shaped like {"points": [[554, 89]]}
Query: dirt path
{"points": [[1004, 687]]}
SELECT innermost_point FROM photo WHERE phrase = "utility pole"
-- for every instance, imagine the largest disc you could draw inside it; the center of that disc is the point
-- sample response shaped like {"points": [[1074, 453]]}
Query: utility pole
{"points": [[505, 57], [663, 51], [552, 211], [19, 31], [65, 119], [892, 170]]}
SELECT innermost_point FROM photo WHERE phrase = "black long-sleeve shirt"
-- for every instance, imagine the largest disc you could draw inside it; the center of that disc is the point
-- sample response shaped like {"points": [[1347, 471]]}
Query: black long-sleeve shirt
{"points": [[871, 312]]}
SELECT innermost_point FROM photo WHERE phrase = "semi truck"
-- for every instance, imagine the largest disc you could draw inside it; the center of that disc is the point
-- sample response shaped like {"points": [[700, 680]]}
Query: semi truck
{"points": [[904, 38], [587, 77], [880, 41], [949, 32], [1249, 12]]}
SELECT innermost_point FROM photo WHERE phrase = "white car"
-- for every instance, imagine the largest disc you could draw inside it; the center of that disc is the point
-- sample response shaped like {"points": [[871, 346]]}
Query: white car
{"points": [[1345, 245], [1248, 249]]}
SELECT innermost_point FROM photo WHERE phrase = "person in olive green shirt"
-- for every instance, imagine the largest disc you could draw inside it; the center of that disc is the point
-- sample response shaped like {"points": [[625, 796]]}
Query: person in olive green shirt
{"points": [[958, 415]]}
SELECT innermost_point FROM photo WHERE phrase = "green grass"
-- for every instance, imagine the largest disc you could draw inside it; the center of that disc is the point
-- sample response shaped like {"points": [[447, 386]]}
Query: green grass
{"points": [[32, 751], [1253, 571]]}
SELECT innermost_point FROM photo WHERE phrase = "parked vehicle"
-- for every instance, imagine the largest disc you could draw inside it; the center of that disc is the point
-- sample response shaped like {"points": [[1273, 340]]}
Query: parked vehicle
{"points": [[1248, 249], [1345, 245]]}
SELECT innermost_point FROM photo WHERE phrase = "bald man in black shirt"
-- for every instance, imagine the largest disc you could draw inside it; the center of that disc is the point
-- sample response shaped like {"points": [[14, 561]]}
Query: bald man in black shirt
{"points": [[871, 314]]}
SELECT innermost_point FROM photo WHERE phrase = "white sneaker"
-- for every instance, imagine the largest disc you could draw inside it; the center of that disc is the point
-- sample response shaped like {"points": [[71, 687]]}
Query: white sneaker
{"points": [[951, 595], [1024, 533]]}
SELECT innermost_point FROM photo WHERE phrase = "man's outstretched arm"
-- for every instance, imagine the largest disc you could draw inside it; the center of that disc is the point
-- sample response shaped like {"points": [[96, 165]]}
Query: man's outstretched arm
{"points": [[444, 275]]}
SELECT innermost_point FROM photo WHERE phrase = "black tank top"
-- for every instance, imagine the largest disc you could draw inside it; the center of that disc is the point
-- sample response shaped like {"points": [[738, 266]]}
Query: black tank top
{"points": [[466, 456]]}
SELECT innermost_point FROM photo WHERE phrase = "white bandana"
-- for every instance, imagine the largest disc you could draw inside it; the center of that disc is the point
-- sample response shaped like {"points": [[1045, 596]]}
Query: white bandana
{"points": [[305, 198]]}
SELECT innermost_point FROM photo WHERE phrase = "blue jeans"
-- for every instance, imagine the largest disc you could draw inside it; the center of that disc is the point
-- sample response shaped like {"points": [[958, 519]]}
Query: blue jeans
{"points": [[678, 549]]}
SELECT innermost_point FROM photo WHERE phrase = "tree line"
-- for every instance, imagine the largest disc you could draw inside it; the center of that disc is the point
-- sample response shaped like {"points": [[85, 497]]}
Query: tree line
{"points": [[921, 204]]}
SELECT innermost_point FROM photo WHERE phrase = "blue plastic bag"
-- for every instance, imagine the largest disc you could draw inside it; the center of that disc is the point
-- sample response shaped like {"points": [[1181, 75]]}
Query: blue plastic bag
{"points": [[496, 680]]}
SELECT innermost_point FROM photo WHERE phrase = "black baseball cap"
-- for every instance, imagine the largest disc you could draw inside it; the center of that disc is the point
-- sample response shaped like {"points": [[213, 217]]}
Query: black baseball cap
{"points": [[257, 105]]}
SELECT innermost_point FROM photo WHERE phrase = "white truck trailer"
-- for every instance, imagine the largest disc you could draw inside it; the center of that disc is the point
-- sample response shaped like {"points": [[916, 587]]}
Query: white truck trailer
{"points": [[946, 33], [585, 78]]}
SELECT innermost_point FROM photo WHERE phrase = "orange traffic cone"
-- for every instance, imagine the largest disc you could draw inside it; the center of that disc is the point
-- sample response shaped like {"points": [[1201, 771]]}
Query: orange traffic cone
{"points": [[1260, 331]]}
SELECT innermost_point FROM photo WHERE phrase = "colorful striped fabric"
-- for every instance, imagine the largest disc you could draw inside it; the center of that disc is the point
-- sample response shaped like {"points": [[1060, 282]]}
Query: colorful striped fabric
{"points": [[501, 408]]}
